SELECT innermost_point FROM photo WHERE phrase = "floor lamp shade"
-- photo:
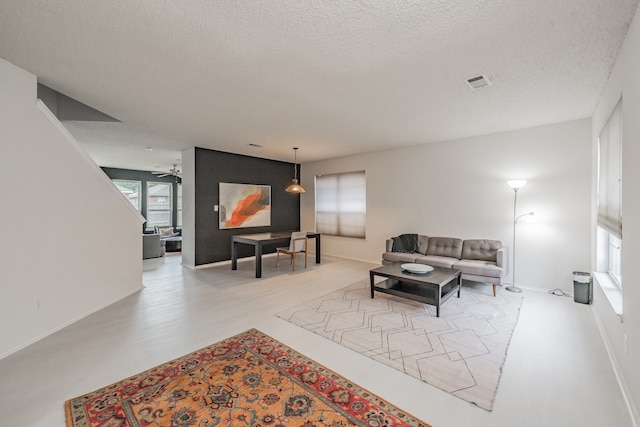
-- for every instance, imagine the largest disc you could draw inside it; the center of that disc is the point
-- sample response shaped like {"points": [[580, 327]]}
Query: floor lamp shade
{"points": [[516, 184]]}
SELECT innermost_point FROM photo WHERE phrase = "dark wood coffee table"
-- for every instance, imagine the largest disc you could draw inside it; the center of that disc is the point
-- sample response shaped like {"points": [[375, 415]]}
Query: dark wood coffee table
{"points": [[433, 288]]}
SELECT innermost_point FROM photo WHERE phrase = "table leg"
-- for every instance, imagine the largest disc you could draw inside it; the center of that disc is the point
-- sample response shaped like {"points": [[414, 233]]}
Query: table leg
{"points": [[234, 255], [258, 260], [459, 284], [371, 282], [318, 249]]}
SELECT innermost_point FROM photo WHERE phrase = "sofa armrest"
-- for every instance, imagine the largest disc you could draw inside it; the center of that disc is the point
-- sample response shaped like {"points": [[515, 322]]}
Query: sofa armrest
{"points": [[152, 246], [502, 259], [389, 244]]}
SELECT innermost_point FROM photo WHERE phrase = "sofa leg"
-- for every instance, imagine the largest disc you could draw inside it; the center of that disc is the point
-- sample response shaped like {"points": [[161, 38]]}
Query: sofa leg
{"points": [[494, 290]]}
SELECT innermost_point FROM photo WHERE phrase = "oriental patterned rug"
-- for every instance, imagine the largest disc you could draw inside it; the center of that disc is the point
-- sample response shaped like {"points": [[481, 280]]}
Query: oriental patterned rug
{"points": [[246, 380], [461, 352]]}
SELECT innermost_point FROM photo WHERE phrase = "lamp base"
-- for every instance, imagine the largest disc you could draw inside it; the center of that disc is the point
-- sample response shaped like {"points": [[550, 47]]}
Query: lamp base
{"points": [[513, 289]]}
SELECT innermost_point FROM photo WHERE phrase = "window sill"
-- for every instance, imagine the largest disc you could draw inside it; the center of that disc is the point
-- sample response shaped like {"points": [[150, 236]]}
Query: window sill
{"points": [[611, 291]]}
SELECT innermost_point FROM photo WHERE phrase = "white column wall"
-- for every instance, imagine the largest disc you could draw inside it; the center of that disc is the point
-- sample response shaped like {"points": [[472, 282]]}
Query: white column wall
{"points": [[624, 82], [189, 207], [71, 244], [458, 189]]}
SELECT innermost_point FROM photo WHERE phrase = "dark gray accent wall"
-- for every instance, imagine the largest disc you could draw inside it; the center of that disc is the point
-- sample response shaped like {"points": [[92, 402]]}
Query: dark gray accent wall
{"points": [[144, 177], [213, 167]]}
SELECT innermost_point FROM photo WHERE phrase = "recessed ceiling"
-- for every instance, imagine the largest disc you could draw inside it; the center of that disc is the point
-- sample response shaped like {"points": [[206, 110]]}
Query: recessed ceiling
{"points": [[333, 78]]}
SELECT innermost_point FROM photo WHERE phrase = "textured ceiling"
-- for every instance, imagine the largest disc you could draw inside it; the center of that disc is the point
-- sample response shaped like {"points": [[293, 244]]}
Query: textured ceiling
{"points": [[333, 78]]}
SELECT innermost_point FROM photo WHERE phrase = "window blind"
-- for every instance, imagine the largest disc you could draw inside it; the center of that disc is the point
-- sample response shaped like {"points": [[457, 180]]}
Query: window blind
{"points": [[341, 204], [610, 174]]}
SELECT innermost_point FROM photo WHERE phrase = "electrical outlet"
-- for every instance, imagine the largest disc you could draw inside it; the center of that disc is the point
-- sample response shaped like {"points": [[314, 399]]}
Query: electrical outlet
{"points": [[626, 344], [37, 304], [215, 208]]}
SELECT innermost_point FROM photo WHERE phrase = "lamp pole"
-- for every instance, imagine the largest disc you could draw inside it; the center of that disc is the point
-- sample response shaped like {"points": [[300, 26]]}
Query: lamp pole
{"points": [[513, 287], [516, 184]]}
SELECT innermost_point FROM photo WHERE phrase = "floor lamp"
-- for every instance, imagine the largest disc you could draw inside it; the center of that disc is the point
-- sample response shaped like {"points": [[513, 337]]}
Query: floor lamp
{"points": [[516, 184]]}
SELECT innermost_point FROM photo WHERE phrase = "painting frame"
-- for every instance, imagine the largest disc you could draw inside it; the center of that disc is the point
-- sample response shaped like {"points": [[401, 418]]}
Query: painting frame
{"points": [[244, 205]]}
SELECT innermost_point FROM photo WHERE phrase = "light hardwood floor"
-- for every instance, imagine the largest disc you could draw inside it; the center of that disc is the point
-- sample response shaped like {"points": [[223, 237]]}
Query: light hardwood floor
{"points": [[557, 372]]}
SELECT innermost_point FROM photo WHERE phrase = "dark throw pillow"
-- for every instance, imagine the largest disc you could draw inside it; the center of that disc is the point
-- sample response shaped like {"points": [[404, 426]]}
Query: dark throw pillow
{"points": [[407, 243]]}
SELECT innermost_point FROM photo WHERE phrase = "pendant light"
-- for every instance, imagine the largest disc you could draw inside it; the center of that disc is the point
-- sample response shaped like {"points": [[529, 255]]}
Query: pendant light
{"points": [[294, 187]]}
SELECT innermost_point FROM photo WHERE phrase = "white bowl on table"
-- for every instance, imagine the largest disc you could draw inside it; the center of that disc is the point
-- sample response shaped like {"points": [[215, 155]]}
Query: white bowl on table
{"points": [[417, 268]]}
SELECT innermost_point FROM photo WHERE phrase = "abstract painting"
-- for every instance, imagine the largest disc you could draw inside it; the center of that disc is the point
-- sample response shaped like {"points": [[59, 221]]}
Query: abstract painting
{"points": [[244, 205]]}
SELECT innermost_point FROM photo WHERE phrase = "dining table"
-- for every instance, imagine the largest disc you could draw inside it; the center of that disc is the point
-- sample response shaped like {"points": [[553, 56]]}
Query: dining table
{"points": [[260, 240]]}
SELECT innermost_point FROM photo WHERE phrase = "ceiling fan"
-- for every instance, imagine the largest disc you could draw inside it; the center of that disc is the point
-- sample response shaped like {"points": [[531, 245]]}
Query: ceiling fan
{"points": [[174, 171]]}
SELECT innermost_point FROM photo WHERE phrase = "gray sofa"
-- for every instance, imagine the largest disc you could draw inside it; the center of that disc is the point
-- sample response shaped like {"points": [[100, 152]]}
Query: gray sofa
{"points": [[479, 260], [152, 246]]}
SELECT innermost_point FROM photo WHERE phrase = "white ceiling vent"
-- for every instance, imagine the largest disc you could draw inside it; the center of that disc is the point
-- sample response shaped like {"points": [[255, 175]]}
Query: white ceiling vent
{"points": [[478, 82]]}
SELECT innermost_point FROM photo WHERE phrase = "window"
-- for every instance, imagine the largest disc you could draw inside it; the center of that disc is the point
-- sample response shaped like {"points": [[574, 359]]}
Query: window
{"points": [[179, 216], [158, 204], [130, 189], [341, 204], [615, 255], [609, 236]]}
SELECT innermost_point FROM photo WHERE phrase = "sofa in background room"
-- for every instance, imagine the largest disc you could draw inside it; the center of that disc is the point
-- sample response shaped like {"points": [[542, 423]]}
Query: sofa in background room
{"points": [[152, 246]]}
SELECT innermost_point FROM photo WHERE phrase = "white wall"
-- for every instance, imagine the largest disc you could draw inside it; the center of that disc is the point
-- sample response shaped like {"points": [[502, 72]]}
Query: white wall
{"points": [[189, 207], [624, 82], [71, 244], [459, 189]]}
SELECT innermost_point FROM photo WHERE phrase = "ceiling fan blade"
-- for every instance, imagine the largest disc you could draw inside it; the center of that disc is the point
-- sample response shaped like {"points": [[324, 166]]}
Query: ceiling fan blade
{"points": [[174, 171]]}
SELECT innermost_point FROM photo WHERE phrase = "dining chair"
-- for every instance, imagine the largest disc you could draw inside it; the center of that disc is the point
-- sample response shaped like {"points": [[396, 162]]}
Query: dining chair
{"points": [[298, 244]]}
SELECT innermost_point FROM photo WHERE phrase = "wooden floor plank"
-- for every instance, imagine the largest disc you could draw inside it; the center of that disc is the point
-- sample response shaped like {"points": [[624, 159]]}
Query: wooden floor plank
{"points": [[557, 371]]}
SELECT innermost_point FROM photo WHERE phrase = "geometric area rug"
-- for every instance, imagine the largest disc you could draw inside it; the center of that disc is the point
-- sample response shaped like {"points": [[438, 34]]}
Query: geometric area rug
{"points": [[461, 352], [246, 380]]}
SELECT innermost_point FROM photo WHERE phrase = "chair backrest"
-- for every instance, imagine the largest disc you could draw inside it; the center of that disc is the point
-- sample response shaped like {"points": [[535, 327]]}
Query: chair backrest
{"points": [[300, 245]]}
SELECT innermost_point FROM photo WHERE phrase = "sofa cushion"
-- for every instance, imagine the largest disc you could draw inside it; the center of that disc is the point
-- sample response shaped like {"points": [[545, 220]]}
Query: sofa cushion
{"points": [[478, 268], [423, 243], [480, 249], [436, 261], [399, 257], [166, 231], [445, 247]]}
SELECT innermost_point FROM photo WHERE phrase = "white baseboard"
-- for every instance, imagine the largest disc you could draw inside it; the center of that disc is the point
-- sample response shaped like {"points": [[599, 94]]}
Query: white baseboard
{"points": [[209, 265], [228, 261], [631, 407]]}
